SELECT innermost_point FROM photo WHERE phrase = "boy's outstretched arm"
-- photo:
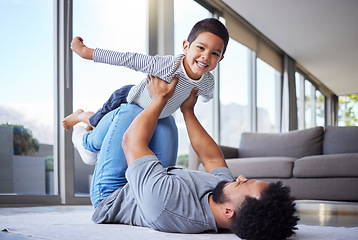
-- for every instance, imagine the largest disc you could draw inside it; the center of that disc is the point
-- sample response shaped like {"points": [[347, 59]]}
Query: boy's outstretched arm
{"points": [[82, 50], [136, 138], [206, 148]]}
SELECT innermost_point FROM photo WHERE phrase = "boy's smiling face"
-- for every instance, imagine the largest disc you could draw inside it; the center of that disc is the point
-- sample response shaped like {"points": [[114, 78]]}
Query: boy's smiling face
{"points": [[203, 54]]}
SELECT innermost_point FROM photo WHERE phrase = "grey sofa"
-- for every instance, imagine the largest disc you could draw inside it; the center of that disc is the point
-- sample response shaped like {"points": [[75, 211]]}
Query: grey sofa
{"points": [[317, 163]]}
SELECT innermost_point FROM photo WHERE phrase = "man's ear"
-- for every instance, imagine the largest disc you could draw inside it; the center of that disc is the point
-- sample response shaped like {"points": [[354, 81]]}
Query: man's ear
{"points": [[229, 213], [185, 46]]}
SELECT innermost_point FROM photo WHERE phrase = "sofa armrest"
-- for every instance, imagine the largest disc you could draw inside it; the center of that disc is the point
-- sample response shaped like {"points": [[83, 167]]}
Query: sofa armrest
{"points": [[193, 160], [229, 152]]}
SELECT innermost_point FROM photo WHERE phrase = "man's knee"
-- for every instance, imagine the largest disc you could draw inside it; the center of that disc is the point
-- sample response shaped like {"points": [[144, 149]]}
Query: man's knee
{"points": [[131, 112], [126, 143]]}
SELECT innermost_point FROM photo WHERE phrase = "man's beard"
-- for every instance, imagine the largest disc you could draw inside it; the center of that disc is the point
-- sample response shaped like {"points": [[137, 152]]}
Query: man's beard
{"points": [[218, 193]]}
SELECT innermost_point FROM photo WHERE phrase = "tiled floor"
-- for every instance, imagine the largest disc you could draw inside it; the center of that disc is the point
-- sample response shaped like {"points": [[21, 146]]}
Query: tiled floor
{"points": [[335, 214], [317, 213]]}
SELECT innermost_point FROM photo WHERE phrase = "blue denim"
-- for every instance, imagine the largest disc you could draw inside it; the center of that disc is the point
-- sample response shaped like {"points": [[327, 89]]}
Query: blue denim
{"points": [[109, 173], [117, 98]]}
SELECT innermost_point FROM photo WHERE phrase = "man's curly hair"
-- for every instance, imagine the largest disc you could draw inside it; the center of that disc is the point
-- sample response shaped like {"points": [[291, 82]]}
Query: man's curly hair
{"points": [[270, 217]]}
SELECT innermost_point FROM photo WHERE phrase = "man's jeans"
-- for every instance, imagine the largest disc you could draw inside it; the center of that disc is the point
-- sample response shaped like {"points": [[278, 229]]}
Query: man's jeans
{"points": [[109, 174]]}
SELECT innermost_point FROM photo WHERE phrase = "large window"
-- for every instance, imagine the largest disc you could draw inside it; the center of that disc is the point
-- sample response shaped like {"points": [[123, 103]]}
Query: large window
{"points": [[320, 109], [234, 94], [348, 110], [268, 98], [186, 14], [244, 107], [300, 100], [311, 104], [93, 83], [27, 98], [36, 73]]}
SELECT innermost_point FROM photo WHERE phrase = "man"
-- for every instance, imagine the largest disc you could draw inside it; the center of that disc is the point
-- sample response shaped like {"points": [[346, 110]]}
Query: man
{"points": [[178, 200]]}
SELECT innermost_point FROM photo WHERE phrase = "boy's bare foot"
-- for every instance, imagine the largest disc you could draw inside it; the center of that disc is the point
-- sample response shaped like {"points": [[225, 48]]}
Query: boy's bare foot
{"points": [[72, 119]]}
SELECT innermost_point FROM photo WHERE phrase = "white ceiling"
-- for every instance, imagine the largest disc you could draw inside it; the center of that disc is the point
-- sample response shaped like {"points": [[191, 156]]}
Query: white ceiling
{"points": [[321, 35]]}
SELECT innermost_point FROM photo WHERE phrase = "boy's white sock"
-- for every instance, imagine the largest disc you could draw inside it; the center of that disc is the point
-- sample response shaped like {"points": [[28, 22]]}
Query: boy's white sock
{"points": [[87, 156]]}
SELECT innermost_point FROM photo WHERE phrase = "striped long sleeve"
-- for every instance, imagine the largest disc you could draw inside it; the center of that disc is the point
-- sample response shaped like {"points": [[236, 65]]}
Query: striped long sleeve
{"points": [[164, 67]]}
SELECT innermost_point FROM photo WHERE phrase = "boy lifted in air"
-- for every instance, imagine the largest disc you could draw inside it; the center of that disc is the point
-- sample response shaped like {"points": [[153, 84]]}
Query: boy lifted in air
{"points": [[202, 51]]}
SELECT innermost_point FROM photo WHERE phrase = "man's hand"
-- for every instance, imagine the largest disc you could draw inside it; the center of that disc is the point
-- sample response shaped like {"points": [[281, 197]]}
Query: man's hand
{"points": [[159, 89], [82, 50], [189, 103]]}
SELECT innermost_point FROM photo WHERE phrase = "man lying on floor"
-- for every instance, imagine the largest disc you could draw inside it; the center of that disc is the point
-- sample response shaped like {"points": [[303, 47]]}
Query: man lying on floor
{"points": [[174, 199]]}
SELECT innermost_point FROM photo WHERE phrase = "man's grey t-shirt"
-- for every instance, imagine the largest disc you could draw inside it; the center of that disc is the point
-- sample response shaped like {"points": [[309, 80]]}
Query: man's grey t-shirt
{"points": [[169, 200]]}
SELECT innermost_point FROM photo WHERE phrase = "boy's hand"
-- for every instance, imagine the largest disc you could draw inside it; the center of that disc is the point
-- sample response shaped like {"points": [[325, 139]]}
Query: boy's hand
{"points": [[189, 103], [82, 50], [159, 89]]}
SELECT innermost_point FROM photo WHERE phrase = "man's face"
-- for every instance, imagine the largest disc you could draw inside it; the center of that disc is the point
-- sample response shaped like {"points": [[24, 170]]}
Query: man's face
{"points": [[238, 190], [203, 54]]}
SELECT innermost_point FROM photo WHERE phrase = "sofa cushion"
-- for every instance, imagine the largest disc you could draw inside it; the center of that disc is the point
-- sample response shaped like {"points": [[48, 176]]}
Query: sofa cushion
{"points": [[264, 167], [296, 144], [229, 152], [340, 140], [333, 165]]}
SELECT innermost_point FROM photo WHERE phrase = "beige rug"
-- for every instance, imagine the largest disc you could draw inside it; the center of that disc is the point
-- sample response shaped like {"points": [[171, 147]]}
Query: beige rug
{"points": [[74, 222]]}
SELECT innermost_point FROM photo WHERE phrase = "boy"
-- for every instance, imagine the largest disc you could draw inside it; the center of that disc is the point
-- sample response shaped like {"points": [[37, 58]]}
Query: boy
{"points": [[202, 51]]}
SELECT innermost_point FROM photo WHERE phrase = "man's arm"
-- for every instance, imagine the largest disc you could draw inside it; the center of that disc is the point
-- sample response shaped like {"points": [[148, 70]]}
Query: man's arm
{"points": [[206, 148], [136, 138]]}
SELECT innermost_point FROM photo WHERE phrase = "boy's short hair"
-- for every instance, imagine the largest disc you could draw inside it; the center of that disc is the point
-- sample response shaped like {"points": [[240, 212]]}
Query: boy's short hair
{"points": [[211, 25]]}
